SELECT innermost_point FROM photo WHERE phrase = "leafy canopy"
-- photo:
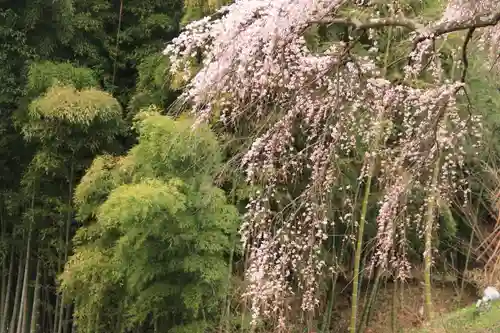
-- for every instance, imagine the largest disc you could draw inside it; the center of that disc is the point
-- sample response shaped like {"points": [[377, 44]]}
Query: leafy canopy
{"points": [[157, 230]]}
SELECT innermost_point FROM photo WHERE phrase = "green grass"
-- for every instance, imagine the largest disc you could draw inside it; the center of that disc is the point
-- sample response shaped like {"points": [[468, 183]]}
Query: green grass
{"points": [[463, 321]]}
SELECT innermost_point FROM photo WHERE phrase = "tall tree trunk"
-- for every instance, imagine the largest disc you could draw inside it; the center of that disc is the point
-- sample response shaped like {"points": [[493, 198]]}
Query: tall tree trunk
{"points": [[6, 305], [23, 318], [361, 231], [368, 307], [429, 226], [36, 299], [327, 317], [21, 324], [3, 271], [60, 315], [69, 216], [58, 300], [17, 296], [359, 249], [3, 284], [394, 318], [67, 318], [43, 313]]}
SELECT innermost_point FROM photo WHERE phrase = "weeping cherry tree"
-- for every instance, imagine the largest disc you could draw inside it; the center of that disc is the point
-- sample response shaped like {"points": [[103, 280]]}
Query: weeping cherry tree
{"points": [[406, 119]]}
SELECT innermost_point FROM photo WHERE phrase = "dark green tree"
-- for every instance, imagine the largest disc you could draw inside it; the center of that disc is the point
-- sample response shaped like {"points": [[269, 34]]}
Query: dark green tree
{"points": [[113, 38], [64, 127]]}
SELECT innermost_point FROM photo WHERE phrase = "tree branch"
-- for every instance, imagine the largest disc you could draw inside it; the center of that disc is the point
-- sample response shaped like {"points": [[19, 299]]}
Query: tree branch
{"points": [[478, 21], [465, 60], [373, 23], [432, 30]]}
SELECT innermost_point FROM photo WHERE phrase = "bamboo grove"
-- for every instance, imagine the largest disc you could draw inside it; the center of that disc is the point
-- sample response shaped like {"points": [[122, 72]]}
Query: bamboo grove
{"points": [[277, 160]]}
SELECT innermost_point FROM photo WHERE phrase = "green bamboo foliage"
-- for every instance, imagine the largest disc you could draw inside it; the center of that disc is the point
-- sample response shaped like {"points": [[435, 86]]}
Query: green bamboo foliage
{"points": [[62, 117], [196, 9], [43, 75], [153, 252], [154, 86]]}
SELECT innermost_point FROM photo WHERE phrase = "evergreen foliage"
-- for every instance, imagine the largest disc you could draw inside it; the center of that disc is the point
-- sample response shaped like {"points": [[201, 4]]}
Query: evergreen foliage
{"points": [[157, 233]]}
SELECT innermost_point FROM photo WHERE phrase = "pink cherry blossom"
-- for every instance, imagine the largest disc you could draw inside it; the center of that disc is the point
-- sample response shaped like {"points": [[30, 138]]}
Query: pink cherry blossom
{"points": [[256, 65]]}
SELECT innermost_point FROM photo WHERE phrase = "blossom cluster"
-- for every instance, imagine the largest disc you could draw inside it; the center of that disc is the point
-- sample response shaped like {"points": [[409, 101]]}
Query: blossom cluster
{"points": [[256, 65]]}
